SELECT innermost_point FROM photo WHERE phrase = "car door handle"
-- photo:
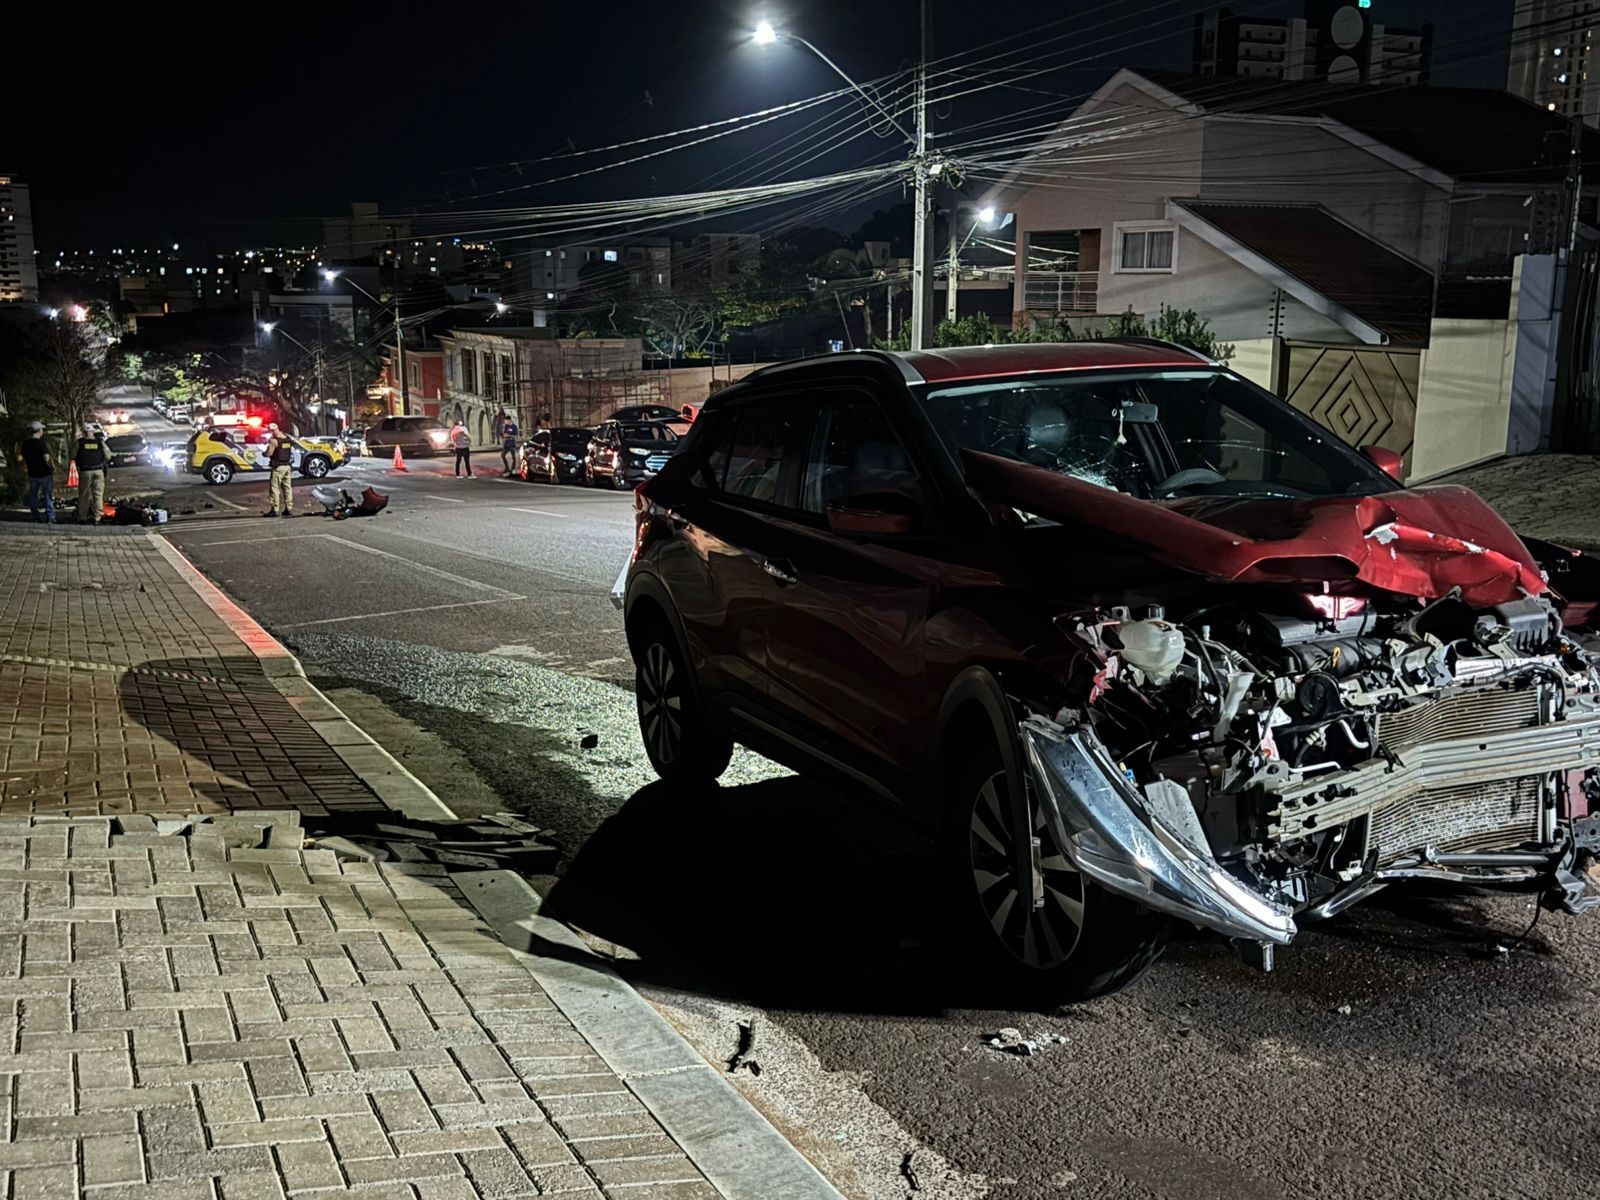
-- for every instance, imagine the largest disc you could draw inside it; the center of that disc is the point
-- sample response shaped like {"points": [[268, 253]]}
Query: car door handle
{"points": [[781, 569]]}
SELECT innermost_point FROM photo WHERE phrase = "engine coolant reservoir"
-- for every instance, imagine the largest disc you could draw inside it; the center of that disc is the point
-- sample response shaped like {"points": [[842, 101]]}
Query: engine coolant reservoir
{"points": [[1155, 647]]}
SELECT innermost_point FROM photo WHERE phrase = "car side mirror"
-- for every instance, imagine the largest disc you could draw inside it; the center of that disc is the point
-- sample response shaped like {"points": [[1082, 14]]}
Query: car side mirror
{"points": [[1388, 461], [874, 514]]}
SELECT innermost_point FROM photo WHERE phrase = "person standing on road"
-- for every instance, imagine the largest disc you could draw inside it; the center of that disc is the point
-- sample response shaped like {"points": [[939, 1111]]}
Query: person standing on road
{"points": [[462, 441], [280, 461], [93, 461], [508, 443], [35, 455]]}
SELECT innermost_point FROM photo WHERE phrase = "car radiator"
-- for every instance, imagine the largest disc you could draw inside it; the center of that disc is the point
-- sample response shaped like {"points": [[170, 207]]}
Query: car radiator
{"points": [[1464, 771], [655, 462]]}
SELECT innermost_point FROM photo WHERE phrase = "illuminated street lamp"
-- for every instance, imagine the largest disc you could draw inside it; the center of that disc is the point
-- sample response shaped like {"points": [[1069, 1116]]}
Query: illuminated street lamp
{"points": [[923, 170], [987, 217], [399, 336]]}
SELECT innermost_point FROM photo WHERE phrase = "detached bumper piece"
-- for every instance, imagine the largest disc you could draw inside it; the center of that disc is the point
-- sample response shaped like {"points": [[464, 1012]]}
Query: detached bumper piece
{"points": [[1106, 828]]}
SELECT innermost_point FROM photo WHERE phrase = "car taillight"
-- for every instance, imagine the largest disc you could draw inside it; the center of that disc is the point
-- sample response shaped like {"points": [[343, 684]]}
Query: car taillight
{"points": [[1336, 608], [641, 521]]}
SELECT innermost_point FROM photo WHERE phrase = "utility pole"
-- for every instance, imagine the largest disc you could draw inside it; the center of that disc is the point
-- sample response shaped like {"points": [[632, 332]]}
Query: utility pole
{"points": [[322, 402], [400, 358], [953, 271], [921, 247]]}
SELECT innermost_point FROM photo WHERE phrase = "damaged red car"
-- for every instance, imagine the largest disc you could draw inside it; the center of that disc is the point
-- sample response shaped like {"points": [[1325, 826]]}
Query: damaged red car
{"points": [[1139, 640]]}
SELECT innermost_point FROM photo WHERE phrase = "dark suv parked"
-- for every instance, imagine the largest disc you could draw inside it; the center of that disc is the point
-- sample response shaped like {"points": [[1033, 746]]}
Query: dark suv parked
{"points": [[623, 454], [558, 455], [1136, 637]]}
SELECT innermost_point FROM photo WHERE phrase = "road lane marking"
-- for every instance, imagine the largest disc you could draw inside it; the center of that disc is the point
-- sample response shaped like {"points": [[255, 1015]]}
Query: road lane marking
{"points": [[400, 612], [539, 512], [230, 503], [256, 541], [446, 499], [423, 567]]}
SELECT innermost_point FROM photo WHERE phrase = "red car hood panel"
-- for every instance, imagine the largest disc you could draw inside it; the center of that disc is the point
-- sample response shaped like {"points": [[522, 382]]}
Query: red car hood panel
{"points": [[1419, 542]]}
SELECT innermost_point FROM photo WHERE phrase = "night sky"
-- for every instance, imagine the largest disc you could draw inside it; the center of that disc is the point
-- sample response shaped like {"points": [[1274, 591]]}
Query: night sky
{"points": [[241, 129]]}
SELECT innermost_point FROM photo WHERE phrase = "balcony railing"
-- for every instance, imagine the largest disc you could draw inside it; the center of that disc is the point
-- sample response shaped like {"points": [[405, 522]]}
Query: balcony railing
{"points": [[1061, 291]]}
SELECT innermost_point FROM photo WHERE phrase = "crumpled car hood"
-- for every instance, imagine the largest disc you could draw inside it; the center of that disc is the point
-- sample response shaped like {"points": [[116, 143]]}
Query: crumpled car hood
{"points": [[1420, 542]]}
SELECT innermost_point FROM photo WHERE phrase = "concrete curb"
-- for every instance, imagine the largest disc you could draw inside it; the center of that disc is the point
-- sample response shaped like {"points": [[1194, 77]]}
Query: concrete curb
{"points": [[732, 1144], [375, 766]]}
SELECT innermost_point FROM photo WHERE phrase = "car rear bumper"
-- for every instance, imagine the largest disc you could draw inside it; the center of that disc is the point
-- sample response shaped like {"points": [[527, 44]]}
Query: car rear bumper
{"points": [[1101, 819]]}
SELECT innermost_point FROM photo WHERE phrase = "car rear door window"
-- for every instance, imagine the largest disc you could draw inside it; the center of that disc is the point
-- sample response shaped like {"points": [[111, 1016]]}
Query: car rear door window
{"points": [[853, 452], [755, 453]]}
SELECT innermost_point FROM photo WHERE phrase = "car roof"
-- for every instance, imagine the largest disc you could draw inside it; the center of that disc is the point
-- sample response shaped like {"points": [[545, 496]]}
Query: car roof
{"points": [[988, 362]]}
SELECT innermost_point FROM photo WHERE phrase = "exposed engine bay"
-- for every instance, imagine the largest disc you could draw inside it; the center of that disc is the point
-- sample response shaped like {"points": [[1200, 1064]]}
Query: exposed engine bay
{"points": [[1285, 764]]}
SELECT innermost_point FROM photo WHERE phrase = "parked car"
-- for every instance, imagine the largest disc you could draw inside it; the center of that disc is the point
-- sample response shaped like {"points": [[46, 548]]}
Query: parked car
{"points": [[217, 455], [1134, 637], [624, 454], [128, 449], [414, 435], [559, 455], [117, 416], [178, 414], [355, 441], [160, 405]]}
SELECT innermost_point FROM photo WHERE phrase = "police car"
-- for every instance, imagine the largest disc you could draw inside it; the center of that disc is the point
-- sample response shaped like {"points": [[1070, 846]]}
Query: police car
{"points": [[217, 455]]}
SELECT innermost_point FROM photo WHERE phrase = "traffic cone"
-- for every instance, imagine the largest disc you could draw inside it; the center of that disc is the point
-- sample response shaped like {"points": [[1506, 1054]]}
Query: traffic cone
{"points": [[72, 474], [399, 463]]}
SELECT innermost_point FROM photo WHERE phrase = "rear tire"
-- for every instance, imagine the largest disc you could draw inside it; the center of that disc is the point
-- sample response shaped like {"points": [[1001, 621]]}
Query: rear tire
{"points": [[315, 466], [1082, 942], [217, 471], [683, 747]]}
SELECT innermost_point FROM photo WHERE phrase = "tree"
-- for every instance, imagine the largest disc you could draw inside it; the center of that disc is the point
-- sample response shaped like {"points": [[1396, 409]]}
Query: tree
{"points": [[62, 371], [675, 326]]}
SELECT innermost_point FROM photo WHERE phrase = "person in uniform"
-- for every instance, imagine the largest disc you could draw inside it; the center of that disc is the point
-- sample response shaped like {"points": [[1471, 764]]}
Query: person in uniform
{"points": [[93, 460], [280, 486]]}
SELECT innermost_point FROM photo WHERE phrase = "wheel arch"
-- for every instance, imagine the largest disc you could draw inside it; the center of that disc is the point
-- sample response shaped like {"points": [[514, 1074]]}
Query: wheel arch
{"points": [[647, 600], [978, 704]]}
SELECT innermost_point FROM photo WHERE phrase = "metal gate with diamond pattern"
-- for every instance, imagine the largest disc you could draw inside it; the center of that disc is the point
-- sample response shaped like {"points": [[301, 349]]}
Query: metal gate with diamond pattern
{"points": [[1364, 395]]}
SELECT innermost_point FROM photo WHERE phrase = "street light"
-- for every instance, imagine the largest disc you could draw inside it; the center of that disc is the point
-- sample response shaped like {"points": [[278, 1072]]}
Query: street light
{"points": [[399, 337], [921, 277], [316, 355], [986, 217]]}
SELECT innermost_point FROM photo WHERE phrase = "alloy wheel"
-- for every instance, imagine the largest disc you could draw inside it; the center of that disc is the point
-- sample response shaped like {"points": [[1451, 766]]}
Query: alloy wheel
{"points": [[1039, 920], [661, 703]]}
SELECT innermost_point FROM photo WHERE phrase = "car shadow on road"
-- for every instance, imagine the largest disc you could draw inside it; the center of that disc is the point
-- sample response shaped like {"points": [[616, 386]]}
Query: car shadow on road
{"points": [[782, 893]]}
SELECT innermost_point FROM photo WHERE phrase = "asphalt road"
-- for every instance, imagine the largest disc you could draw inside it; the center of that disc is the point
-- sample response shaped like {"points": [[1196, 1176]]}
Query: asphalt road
{"points": [[1418, 1046]]}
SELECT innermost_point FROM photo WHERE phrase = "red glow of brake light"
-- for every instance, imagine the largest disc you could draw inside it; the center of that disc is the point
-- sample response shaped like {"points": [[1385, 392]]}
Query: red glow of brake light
{"points": [[253, 422], [641, 522], [1336, 608]]}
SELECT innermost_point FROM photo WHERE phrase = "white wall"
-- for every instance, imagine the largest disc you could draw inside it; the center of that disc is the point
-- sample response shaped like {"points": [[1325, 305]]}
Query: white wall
{"points": [[1257, 359], [1463, 395]]}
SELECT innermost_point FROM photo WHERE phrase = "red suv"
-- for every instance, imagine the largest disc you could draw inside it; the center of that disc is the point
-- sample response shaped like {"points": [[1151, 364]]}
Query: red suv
{"points": [[1136, 637]]}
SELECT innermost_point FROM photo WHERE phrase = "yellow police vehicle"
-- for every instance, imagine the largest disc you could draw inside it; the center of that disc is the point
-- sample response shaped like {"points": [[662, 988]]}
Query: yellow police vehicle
{"points": [[217, 455]]}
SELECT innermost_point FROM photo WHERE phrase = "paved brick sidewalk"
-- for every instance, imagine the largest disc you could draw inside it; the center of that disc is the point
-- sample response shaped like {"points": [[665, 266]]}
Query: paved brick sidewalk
{"points": [[215, 1007], [121, 692]]}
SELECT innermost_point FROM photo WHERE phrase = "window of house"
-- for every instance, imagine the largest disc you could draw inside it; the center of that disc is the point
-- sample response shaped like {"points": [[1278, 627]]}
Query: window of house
{"points": [[1146, 248], [469, 375], [416, 373], [487, 375], [611, 256]]}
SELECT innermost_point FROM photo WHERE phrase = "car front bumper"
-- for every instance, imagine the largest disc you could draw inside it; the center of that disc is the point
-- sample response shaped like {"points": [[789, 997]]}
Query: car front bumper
{"points": [[1100, 818]]}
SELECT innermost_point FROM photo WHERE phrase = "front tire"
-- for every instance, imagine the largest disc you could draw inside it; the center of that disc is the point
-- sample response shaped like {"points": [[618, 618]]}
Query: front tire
{"points": [[1054, 937], [682, 745], [619, 482]]}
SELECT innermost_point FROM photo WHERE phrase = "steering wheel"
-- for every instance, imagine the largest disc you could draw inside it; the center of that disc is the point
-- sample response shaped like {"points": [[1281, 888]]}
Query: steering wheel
{"points": [[1190, 477]]}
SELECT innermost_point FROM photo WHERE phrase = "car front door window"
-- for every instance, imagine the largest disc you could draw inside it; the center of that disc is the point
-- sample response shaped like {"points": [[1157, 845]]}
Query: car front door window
{"points": [[853, 452]]}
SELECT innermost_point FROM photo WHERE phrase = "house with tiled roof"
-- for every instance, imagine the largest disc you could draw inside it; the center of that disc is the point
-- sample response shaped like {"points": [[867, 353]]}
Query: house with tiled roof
{"points": [[1298, 210]]}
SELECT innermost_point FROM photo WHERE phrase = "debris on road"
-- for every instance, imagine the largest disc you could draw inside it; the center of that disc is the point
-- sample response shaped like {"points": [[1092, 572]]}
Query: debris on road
{"points": [[1011, 1041], [1343, 1010], [909, 1173], [493, 841], [589, 741], [740, 1058]]}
